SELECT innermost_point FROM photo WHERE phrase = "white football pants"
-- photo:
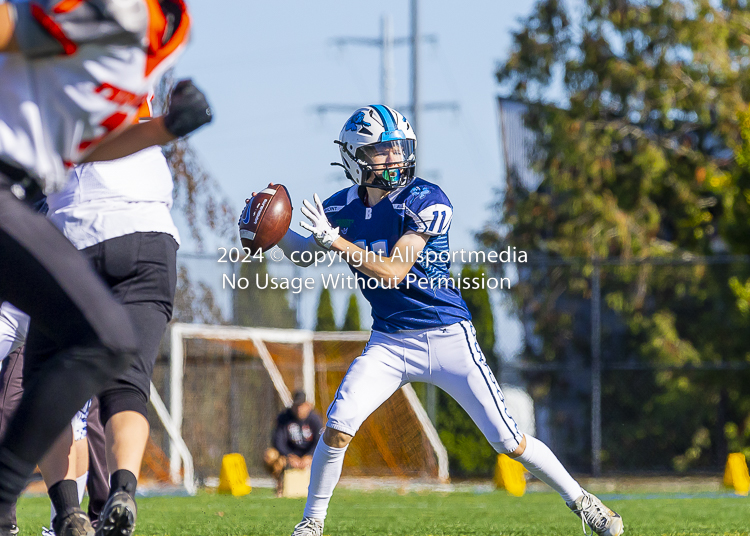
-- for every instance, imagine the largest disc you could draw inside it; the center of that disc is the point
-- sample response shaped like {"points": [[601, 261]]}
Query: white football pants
{"points": [[448, 357]]}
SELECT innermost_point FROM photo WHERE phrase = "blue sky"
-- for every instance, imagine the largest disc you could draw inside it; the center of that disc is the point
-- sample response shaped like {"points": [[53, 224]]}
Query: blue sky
{"points": [[266, 66]]}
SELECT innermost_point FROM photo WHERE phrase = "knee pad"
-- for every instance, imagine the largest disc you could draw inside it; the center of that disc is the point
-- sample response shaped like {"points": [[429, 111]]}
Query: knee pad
{"points": [[119, 399]]}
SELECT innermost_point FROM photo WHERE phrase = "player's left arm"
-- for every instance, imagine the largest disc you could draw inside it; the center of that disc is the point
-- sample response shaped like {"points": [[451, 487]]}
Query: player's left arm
{"points": [[188, 111], [390, 270]]}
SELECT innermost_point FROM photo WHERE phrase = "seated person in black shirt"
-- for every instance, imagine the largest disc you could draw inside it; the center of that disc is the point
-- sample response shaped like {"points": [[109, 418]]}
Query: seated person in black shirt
{"points": [[297, 432]]}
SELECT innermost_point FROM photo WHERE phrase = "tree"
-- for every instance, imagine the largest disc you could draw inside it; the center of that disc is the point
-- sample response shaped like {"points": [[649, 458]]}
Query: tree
{"points": [[194, 302], [351, 320], [469, 453], [325, 319], [197, 195], [259, 305], [638, 161]]}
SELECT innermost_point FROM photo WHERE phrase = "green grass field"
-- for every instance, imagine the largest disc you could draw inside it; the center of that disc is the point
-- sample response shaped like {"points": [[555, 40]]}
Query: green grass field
{"points": [[389, 513]]}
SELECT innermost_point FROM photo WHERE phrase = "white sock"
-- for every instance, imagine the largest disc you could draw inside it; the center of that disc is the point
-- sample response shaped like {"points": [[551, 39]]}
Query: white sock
{"points": [[543, 464], [326, 468], [81, 483]]}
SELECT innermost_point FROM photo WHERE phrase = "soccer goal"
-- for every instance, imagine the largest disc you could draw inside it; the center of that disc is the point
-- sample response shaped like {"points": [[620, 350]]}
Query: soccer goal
{"points": [[227, 384]]}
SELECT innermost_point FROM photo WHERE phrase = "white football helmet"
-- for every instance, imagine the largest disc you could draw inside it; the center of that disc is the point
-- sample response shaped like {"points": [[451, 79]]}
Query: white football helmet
{"points": [[378, 141]]}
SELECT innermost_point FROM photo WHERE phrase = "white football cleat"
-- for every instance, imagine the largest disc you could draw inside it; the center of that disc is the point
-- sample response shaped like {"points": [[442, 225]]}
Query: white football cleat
{"points": [[593, 513], [309, 526]]}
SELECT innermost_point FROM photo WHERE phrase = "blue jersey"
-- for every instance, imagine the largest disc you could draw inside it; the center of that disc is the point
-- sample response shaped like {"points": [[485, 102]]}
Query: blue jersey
{"points": [[424, 299]]}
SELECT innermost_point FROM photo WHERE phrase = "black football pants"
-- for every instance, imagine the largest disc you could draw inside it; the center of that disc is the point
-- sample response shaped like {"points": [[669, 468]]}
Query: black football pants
{"points": [[140, 270], [42, 274], [11, 390]]}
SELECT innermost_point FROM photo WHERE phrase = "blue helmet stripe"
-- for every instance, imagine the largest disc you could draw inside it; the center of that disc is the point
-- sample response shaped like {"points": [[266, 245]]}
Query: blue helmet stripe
{"points": [[385, 114]]}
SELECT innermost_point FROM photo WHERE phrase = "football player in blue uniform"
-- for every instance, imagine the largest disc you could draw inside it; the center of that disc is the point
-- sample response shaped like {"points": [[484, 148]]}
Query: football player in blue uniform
{"points": [[422, 330]]}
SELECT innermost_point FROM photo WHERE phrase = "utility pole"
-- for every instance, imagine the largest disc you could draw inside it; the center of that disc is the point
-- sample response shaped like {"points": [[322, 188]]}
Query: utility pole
{"points": [[416, 109], [415, 45], [387, 42], [387, 78]]}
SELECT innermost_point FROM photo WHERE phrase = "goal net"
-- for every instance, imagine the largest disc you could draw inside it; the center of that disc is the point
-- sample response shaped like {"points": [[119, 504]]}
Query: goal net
{"points": [[225, 386]]}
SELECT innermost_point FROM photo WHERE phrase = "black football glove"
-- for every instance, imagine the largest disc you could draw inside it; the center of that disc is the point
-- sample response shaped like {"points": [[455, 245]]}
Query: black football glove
{"points": [[188, 109]]}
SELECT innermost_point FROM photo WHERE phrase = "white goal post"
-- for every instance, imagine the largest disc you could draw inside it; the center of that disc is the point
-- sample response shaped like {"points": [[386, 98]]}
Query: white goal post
{"points": [[179, 454]]}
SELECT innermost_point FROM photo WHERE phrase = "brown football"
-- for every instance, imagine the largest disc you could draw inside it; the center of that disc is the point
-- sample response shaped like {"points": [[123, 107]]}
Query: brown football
{"points": [[266, 218]]}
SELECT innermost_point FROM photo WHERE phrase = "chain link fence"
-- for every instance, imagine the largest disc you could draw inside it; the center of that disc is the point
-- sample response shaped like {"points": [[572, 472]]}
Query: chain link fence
{"points": [[634, 367]]}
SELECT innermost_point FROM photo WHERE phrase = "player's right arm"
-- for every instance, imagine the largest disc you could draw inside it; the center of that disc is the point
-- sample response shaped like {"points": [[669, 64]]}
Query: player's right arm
{"points": [[299, 249], [188, 111], [293, 245], [130, 140]]}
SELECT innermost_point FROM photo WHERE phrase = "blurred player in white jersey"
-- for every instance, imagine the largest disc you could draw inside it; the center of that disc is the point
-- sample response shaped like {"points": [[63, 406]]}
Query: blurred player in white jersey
{"points": [[118, 214], [422, 330], [73, 74]]}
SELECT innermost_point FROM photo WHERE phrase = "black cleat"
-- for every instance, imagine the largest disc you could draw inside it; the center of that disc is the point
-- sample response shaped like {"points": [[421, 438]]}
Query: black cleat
{"points": [[118, 516], [74, 524]]}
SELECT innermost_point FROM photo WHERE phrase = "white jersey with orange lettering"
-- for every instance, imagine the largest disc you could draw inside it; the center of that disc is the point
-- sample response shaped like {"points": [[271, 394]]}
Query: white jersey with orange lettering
{"points": [[55, 109], [104, 200]]}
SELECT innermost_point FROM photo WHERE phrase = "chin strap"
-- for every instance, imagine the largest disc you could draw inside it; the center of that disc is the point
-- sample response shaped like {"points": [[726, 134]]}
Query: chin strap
{"points": [[346, 171]]}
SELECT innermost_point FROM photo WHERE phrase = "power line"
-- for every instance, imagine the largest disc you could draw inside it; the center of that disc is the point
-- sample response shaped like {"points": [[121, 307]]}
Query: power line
{"points": [[386, 42]]}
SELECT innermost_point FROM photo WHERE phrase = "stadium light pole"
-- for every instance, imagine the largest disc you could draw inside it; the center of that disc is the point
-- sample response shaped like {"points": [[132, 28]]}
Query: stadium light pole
{"points": [[431, 390]]}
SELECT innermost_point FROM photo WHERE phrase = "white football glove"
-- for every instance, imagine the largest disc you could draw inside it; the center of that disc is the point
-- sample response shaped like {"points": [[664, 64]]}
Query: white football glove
{"points": [[324, 234]]}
